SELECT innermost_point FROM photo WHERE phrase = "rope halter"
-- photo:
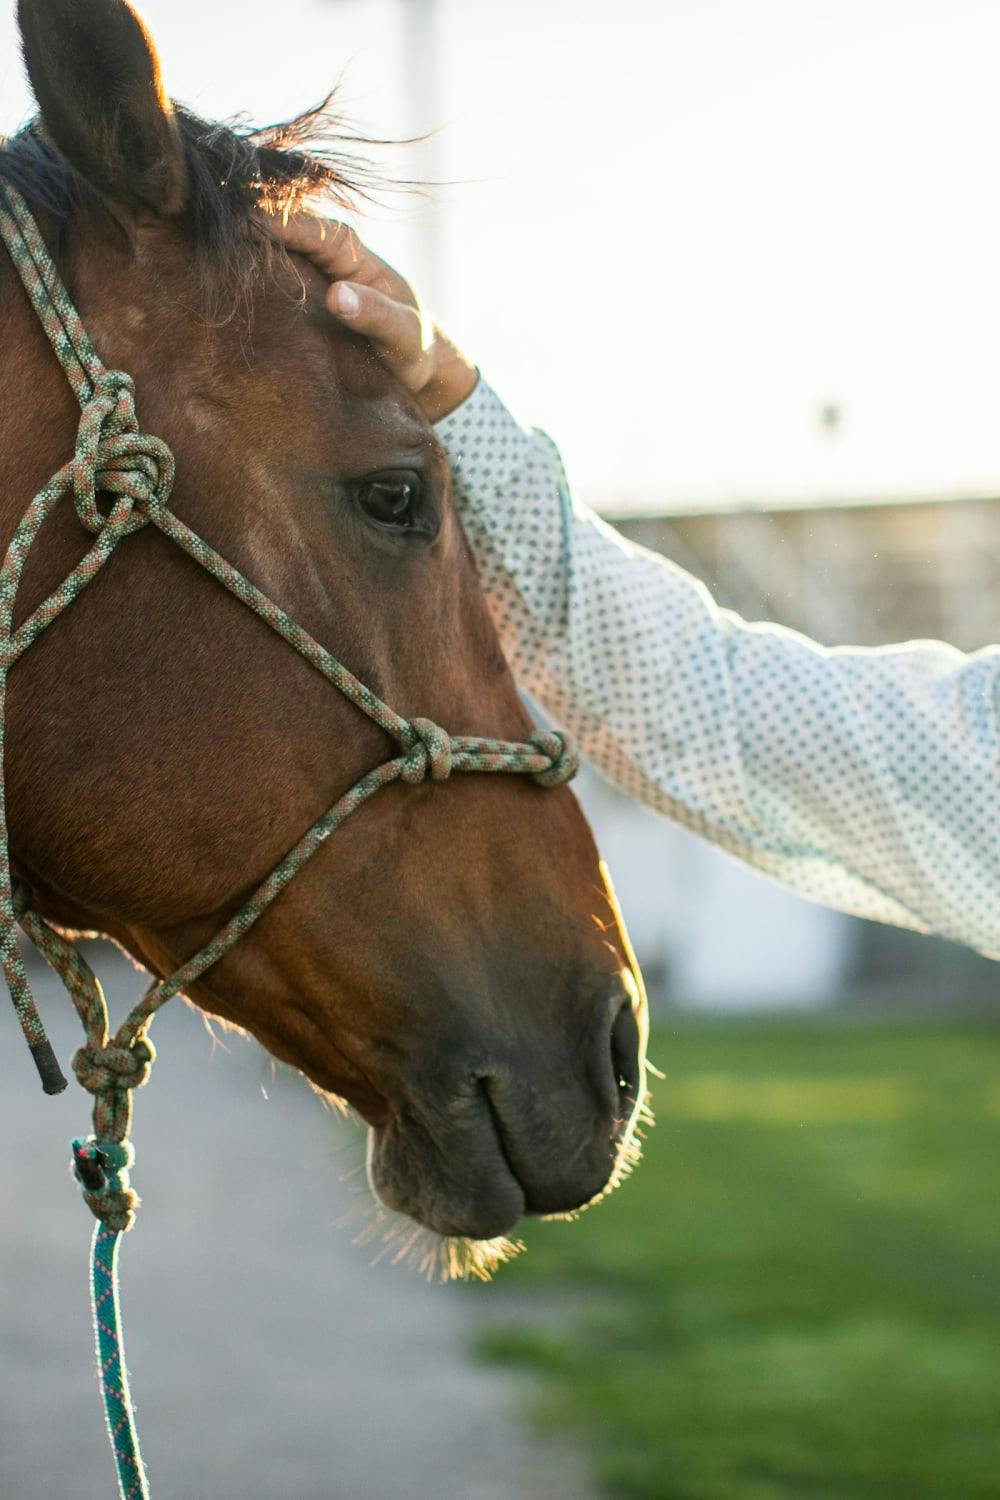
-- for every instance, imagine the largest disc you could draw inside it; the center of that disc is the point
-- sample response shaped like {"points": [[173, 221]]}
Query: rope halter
{"points": [[113, 457]]}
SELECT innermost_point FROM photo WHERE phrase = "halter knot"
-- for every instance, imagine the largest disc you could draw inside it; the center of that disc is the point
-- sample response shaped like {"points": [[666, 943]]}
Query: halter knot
{"points": [[101, 1169], [113, 457], [430, 750], [103, 1070], [561, 753]]}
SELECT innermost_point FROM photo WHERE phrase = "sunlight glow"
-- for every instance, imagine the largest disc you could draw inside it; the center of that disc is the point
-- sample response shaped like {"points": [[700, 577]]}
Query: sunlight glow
{"points": [[701, 229], [436, 1257], [630, 1149]]}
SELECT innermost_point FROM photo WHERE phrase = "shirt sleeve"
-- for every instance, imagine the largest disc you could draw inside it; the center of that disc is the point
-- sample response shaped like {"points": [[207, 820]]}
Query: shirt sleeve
{"points": [[865, 779]]}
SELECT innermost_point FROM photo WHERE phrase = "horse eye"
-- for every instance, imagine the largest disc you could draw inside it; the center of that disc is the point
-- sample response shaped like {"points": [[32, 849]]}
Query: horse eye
{"points": [[391, 499]]}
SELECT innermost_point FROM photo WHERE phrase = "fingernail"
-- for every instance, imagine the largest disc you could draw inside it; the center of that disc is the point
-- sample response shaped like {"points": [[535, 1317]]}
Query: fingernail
{"points": [[346, 300]]}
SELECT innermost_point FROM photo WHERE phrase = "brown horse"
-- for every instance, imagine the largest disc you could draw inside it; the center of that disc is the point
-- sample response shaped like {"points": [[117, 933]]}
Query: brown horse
{"points": [[450, 963]]}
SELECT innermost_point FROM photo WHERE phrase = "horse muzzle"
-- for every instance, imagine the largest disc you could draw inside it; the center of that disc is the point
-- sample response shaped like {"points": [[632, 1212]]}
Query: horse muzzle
{"points": [[521, 1137]]}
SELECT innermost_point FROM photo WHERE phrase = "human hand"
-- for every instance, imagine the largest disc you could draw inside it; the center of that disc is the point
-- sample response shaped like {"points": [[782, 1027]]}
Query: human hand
{"points": [[367, 295]]}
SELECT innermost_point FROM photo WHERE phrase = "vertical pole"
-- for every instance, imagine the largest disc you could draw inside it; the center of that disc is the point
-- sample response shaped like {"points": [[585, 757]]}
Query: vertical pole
{"points": [[419, 67]]}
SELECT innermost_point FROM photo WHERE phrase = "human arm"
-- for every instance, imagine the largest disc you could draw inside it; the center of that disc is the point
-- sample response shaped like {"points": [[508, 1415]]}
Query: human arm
{"points": [[868, 780]]}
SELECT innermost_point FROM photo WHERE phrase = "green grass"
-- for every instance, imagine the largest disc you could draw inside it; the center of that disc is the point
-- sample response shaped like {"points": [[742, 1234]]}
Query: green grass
{"points": [[798, 1292]]}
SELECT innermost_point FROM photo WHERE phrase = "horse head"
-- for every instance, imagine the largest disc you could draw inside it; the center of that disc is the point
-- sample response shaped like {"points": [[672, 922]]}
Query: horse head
{"points": [[451, 962]]}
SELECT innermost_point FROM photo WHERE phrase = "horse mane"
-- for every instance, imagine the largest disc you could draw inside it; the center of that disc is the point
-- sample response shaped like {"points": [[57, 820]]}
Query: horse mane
{"points": [[235, 172]]}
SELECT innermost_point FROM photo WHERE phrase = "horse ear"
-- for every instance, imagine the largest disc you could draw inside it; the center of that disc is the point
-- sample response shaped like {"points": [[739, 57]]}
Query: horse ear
{"points": [[96, 76]]}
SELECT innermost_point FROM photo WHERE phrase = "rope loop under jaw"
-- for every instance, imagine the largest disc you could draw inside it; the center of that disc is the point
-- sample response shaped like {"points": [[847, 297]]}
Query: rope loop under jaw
{"points": [[110, 1071]]}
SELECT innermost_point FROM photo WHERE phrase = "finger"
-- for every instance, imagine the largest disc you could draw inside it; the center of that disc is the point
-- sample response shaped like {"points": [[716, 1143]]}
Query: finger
{"points": [[337, 251], [398, 331], [332, 246]]}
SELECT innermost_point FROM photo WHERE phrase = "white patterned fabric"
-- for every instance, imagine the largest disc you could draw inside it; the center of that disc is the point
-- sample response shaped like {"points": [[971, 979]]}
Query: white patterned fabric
{"points": [[865, 779]]}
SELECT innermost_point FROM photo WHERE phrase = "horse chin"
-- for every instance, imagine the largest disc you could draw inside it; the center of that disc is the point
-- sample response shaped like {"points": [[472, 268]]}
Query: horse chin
{"points": [[475, 1199], [404, 1236]]}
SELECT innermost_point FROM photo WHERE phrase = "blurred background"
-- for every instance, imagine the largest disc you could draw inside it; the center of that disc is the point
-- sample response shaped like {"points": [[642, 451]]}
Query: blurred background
{"points": [[739, 257]]}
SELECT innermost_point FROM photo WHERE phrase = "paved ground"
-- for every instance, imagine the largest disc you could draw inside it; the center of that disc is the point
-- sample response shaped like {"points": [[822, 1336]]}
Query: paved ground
{"points": [[269, 1358]]}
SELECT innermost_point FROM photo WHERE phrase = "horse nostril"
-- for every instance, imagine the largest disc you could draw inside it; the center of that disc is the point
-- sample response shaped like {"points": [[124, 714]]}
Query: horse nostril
{"points": [[625, 1052]]}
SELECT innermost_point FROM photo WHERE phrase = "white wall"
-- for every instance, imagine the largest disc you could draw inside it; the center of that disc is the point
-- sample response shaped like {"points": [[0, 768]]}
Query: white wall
{"points": [[720, 935]]}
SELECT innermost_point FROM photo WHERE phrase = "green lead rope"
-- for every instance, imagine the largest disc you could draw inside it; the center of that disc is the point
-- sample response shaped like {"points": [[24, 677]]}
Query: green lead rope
{"points": [[91, 1156], [135, 472], [111, 1363]]}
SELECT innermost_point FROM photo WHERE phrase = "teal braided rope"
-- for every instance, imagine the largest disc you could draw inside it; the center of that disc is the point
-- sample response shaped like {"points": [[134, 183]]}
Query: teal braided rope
{"points": [[111, 1361], [102, 1169], [135, 471]]}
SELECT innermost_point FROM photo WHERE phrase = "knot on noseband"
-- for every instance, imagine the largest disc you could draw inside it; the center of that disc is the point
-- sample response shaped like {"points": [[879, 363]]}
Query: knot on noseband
{"points": [[561, 753], [114, 458], [101, 1169], [113, 1068], [430, 750]]}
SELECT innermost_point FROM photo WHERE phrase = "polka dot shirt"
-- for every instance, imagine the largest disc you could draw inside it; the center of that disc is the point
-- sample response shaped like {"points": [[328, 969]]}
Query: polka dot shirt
{"points": [[865, 779]]}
